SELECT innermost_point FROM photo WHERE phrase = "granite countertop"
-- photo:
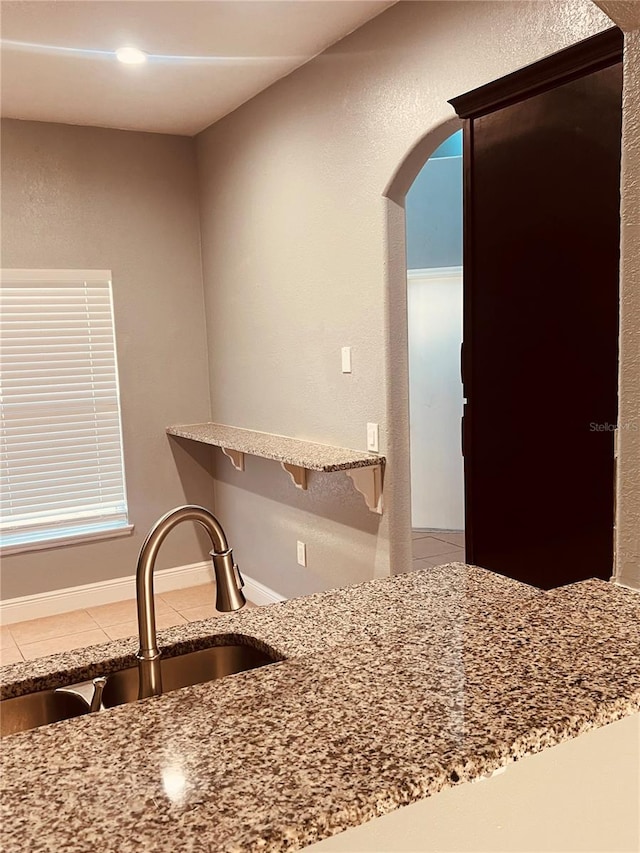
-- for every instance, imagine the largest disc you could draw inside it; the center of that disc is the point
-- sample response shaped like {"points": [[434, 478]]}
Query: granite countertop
{"points": [[391, 691], [289, 451]]}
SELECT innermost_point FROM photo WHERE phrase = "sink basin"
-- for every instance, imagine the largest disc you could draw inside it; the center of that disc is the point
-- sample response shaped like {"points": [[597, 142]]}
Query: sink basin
{"points": [[184, 670], [50, 706], [39, 709]]}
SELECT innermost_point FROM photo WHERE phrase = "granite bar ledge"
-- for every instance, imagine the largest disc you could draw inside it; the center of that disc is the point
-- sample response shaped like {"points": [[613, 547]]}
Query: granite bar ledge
{"points": [[296, 456], [281, 448]]}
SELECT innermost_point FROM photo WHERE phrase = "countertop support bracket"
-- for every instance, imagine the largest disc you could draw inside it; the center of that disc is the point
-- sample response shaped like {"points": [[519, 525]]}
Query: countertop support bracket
{"points": [[297, 474], [236, 457], [368, 481]]}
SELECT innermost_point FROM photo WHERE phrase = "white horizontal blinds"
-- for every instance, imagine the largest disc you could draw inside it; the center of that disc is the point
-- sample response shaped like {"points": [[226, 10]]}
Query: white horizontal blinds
{"points": [[61, 444]]}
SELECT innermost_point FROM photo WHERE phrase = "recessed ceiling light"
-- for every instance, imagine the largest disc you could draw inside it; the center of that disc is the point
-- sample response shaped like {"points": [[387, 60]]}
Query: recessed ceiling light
{"points": [[131, 55]]}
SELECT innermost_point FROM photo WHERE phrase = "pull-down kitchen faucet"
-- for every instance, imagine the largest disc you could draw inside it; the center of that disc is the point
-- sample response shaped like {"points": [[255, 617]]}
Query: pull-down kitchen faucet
{"points": [[229, 585]]}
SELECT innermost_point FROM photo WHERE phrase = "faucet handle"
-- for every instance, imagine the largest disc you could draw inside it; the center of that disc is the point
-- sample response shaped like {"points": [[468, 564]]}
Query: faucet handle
{"points": [[229, 582], [96, 699]]}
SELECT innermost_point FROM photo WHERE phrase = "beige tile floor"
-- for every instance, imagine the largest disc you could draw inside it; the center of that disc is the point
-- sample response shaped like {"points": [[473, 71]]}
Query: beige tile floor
{"points": [[79, 628], [435, 547]]}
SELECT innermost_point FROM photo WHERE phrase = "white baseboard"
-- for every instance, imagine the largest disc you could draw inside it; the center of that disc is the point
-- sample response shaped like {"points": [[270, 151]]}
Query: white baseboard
{"points": [[625, 585], [120, 589], [258, 593]]}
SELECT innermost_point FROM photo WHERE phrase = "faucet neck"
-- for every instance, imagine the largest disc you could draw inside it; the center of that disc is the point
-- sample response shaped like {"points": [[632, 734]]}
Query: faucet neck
{"points": [[228, 579]]}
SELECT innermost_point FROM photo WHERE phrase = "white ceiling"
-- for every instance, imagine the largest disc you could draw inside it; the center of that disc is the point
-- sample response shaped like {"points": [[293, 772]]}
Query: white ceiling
{"points": [[206, 56]]}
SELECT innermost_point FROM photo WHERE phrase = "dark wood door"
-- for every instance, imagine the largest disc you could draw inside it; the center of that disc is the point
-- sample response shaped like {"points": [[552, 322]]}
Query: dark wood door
{"points": [[540, 355]]}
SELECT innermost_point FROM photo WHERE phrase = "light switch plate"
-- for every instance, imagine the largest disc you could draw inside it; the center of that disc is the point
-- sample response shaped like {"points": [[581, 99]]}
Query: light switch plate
{"points": [[346, 359], [302, 553], [373, 438]]}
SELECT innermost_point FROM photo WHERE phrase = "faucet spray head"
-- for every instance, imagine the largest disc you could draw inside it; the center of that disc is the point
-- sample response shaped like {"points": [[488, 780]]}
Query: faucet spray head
{"points": [[229, 583]]}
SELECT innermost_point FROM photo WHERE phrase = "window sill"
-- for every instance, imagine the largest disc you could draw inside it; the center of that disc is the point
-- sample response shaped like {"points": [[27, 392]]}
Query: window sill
{"points": [[63, 541]]}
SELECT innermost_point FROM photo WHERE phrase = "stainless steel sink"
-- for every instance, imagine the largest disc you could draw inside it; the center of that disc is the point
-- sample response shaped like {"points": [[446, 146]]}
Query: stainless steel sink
{"points": [[184, 670], [51, 706], [39, 709]]}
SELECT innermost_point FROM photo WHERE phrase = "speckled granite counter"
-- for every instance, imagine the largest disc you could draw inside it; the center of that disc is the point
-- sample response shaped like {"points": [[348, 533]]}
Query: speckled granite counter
{"points": [[391, 691]]}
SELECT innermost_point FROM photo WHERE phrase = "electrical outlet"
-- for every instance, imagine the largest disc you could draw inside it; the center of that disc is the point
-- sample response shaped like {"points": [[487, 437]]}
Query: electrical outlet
{"points": [[302, 553], [373, 438]]}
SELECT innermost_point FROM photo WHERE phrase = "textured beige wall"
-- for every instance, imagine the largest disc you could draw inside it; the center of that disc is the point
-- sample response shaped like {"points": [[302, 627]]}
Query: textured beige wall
{"points": [[626, 13], [302, 254], [628, 540], [86, 198]]}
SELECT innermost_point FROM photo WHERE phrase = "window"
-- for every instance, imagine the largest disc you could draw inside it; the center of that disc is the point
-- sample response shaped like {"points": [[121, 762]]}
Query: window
{"points": [[61, 446]]}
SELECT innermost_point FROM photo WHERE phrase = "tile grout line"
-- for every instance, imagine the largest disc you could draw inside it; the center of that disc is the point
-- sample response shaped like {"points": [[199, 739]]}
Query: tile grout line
{"points": [[67, 615], [23, 648], [92, 626], [438, 539], [70, 633]]}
